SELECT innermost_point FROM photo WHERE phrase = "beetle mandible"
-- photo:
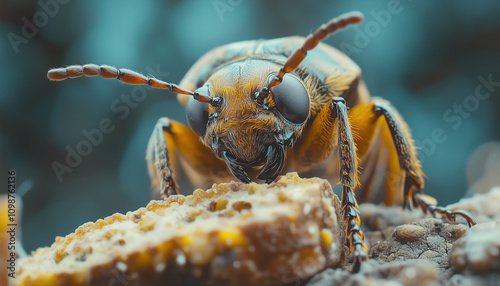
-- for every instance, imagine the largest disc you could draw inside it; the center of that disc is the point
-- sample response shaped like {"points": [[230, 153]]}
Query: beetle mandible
{"points": [[266, 107]]}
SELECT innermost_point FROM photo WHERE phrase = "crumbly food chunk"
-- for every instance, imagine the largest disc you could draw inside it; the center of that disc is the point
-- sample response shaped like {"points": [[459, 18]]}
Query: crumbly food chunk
{"points": [[231, 234]]}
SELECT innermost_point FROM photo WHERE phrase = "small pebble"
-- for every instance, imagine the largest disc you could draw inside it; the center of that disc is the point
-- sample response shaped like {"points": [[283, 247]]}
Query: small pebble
{"points": [[408, 232]]}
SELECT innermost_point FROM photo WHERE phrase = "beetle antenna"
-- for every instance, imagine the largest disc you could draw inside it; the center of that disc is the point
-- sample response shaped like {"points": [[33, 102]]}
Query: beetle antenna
{"points": [[310, 43], [124, 75]]}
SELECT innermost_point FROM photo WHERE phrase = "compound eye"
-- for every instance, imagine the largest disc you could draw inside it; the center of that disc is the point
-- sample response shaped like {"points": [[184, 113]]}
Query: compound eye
{"points": [[197, 113], [292, 99]]}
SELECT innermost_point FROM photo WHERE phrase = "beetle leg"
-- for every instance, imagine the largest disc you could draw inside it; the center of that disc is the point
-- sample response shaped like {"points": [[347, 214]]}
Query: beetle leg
{"points": [[349, 180], [316, 145], [429, 204], [158, 159], [379, 159], [409, 164], [407, 155], [174, 148]]}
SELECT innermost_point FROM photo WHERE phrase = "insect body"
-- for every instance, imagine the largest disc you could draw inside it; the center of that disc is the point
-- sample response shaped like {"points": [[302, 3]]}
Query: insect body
{"points": [[263, 108]]}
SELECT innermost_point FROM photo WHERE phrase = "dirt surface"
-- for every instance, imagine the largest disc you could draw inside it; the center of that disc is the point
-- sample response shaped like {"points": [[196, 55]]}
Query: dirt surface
{"points": [[410, 248]]}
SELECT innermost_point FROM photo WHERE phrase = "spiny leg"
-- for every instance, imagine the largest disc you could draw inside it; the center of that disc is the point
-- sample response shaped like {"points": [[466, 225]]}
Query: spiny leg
{"points": [[186, 155], [349, 180], [158, 159], [365, 128], [413, 180], [429, 204], [315, 146]]}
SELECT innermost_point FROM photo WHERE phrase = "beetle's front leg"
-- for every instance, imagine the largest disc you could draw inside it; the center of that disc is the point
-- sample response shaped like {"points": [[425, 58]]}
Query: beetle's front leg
{"points": [[317, 144], [174, 147], [349, 180]]}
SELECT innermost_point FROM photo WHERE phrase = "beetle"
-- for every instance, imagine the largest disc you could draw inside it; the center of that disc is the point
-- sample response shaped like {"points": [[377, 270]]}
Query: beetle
{"points": [[258, 109]]}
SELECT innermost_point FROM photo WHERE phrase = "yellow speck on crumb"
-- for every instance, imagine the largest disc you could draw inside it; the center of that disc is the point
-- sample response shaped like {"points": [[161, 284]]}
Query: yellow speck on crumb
{"points": [[326, 236], [200, 194], [221, 204], [247, 215], [59, 255], [147, 226], [232, 238], [107, 235], [135, 230], [218, 190], [252, 188], [185, 240], [282, 196]]}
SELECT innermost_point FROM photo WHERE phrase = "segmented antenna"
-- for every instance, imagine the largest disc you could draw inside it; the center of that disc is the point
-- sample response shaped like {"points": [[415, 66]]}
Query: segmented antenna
{"points": [[124, 75], [310, 43]]}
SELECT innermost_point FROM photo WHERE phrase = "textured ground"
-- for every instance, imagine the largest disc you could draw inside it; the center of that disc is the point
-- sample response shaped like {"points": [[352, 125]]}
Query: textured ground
{"points": [[408, 248]]}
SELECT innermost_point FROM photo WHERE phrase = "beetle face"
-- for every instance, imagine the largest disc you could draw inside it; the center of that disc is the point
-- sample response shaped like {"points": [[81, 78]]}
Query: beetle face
{"points": [[250, 136]]}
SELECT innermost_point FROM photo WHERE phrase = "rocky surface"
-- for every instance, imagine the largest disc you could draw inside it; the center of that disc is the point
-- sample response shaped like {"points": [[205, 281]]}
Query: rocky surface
{"points": [[478, 251], [411, 273], [429, 239], [410, 248]]}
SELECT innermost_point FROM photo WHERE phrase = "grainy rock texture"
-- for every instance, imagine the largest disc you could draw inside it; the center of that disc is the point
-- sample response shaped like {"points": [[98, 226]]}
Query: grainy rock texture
{"points": [[475, 280], [410, 248], [411, 273], [478, 252], [429, 239]]}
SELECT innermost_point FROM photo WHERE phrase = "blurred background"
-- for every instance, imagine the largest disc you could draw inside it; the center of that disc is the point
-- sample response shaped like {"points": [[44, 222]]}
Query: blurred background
{"points": [[437, 62]]}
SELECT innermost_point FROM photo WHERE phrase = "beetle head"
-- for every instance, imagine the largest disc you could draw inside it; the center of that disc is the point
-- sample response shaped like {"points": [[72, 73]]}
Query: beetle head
{"points": [[249, 134], [257, 108]]}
